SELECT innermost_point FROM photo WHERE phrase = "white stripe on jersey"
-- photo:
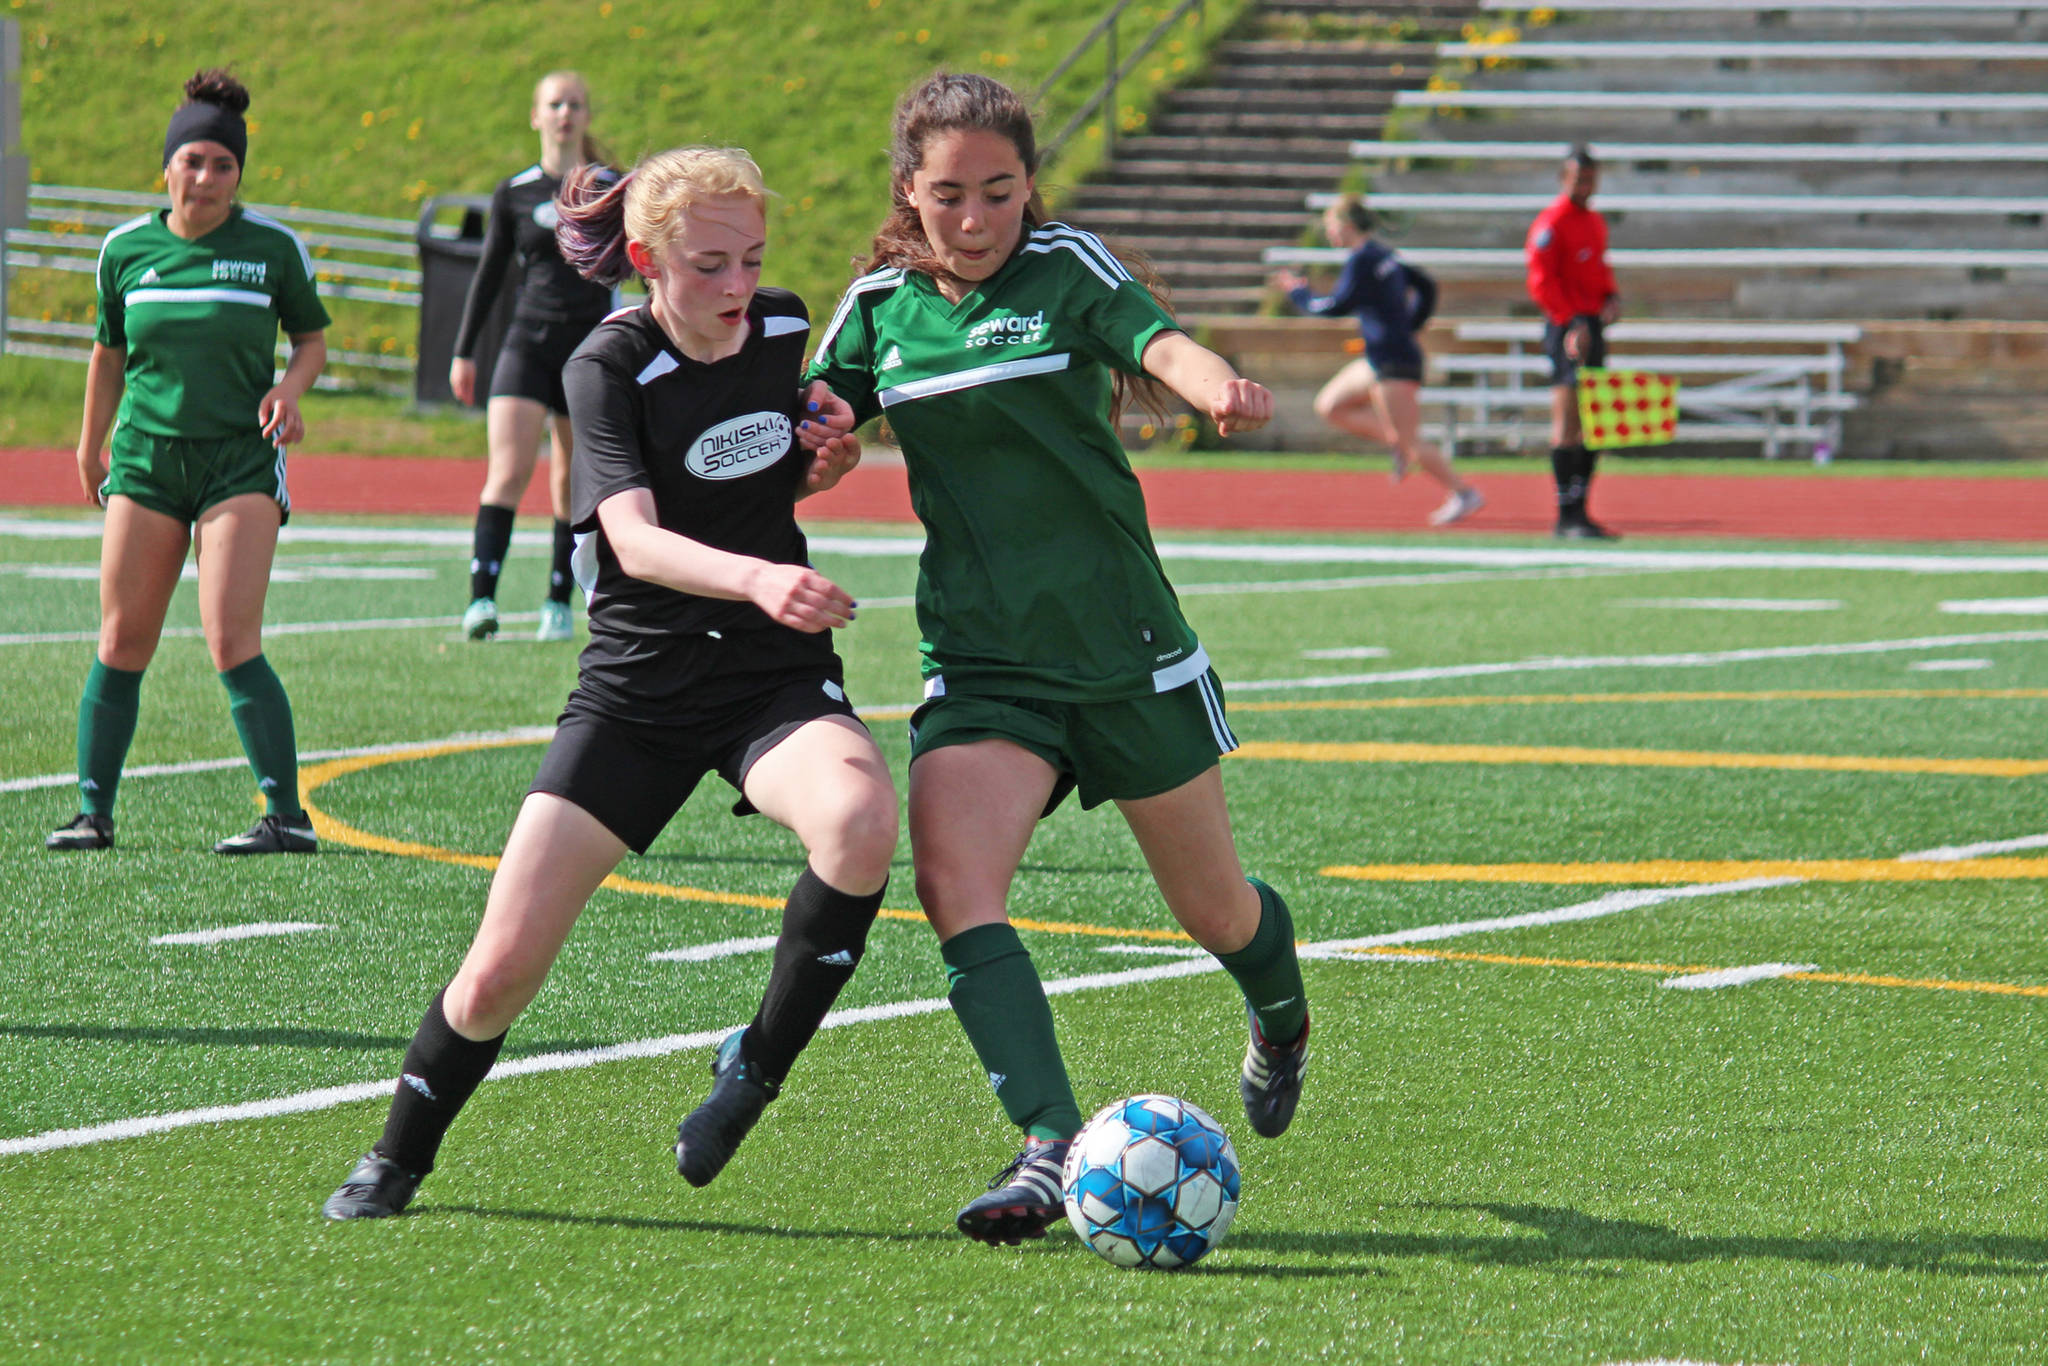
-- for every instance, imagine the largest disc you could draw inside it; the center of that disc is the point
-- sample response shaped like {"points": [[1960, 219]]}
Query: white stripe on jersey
{"points": [[1086, 260], [1182, 673], [888, 278], [194, 296], [618, 313], [1094, 245], [305, 257], [656, 368], [783, 326], [970, 379], [130, 226], [529, 175]]}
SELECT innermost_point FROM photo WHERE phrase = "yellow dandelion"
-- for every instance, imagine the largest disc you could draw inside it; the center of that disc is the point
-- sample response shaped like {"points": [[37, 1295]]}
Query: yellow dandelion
{"points": [[412, 130], [636, 33], [924, 35], [369, 117]]}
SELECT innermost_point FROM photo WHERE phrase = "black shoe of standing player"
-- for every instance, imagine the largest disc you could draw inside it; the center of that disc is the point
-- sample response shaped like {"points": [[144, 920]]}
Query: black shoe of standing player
{"points": [[86, 831], [272, 835], [709, 1136], [377, 1189], [1583, 528]]}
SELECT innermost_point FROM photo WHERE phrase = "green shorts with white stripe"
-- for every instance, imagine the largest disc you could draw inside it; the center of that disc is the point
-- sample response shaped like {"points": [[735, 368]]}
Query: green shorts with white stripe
{"points": [[1109, 751], [182, 478]]}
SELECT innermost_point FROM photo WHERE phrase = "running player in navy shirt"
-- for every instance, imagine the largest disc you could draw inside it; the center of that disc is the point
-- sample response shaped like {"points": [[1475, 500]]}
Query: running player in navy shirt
{"points": [[1378, 398], [555, 310], [710, 651]]}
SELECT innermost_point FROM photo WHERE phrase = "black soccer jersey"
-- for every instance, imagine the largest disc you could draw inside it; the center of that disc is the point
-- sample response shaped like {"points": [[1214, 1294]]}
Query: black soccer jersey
{"points": [[522, 225], [715, 444]]}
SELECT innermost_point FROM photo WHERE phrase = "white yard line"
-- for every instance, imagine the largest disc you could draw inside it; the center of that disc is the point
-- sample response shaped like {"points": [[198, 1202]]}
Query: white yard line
{"points": [[309, 756], [1686, 660], [1955, 853], [450, 622], [1735, 977], [1736, 604], [262, 929], [1996, 607], [724, 948], [1948, 666], [1474, 556]]}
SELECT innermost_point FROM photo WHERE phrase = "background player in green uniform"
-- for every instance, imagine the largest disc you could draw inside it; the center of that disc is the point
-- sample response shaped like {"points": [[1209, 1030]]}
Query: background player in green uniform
{"points": [[1055, 653], [190, 301]]}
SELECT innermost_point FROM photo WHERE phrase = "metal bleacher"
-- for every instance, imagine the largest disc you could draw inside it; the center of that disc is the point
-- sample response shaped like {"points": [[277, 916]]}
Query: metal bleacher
{"points": [[1764, 165]]}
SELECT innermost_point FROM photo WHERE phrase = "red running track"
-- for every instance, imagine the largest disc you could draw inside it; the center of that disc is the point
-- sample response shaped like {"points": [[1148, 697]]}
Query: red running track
{"points": [[1822, 506]]}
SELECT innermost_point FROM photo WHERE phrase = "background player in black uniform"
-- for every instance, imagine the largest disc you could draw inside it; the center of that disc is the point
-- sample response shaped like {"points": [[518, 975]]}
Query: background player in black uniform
{"points": [[555, 311], [708, 651]]}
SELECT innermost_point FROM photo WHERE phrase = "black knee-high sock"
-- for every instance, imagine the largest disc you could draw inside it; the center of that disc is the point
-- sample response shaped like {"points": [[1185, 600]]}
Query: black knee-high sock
{"points": [[493, 539], [441, 1070], [1569, 467], [1587, 460], [559, 576], [824, 933]]}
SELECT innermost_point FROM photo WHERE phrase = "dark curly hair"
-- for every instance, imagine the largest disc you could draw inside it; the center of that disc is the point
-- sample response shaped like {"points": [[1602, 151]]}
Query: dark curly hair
{"points": [[216, 85]]}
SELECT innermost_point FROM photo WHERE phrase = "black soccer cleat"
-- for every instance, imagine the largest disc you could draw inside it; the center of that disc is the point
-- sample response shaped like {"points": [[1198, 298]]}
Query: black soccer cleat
{"points": [[710, 1134], [1583, 529], [272, 835], [1024, 1198], [86, 831], [1271, 1081], [377, 1189]]}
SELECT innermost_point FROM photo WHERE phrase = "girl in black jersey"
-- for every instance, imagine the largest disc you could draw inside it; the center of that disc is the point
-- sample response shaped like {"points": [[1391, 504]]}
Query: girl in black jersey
{"points": [[556, 309], [708, 651]]}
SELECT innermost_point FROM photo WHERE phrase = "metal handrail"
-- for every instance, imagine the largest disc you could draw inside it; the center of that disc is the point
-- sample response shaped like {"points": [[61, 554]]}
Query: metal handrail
{"points": [[1105, 31]]}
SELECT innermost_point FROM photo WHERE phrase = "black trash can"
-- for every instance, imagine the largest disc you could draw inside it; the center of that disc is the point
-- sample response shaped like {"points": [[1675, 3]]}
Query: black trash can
{"points": [[451, 241]]}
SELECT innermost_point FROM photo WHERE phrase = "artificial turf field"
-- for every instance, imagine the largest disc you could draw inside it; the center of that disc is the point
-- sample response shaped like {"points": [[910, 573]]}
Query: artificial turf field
{"points": [[1499, 792]]}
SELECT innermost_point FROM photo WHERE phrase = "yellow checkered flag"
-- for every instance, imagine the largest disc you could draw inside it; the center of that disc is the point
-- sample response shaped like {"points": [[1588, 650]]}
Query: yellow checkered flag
{"points": [[1627, 408]]}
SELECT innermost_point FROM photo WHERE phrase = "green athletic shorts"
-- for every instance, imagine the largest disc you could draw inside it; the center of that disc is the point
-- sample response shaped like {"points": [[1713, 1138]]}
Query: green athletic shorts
{"points": [[1111, 751], [182, 479]]}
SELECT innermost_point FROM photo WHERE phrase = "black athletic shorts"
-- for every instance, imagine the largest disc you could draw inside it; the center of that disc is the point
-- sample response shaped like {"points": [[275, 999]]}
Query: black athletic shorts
{"points": [[530, 361], [1563, 369], [634, 777], [1396, 367]]}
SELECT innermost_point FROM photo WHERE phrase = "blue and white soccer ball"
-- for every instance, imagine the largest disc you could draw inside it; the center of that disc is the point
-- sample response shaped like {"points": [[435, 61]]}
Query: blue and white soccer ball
{"points": [[1151, 1181]]}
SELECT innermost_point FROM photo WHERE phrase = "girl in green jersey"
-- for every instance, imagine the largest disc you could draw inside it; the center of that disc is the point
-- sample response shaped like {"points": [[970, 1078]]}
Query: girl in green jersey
{"points": [[190, 302], [1056, 656]]}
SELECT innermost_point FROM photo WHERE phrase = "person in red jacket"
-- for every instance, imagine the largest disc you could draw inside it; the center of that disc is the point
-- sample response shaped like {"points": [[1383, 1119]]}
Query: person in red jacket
{"points": [[1570, 282]]}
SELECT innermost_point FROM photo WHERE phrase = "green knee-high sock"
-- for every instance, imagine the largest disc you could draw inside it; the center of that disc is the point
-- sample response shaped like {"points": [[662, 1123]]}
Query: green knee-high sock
{"points": [[263, 718], [1268, 971], [106, 724], [1001, 1004]]}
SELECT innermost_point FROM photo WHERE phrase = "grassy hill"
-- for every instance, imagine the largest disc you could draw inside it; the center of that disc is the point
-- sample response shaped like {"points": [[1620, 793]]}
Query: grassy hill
{"points": [[374, 107]]}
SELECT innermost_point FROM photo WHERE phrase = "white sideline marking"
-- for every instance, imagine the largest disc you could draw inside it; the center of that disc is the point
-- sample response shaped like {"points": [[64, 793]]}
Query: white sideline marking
{"points": [[1735, 977], [332, 1096], [1492, 557], [1737, 604], [1955, 853], [90, 573], [1349, 652], [1612, 904], [278, 628], [1948, 666], [309, 756], [1689, 660], [1996, 607], [724, 948], [1155, 950], [262, 929]]}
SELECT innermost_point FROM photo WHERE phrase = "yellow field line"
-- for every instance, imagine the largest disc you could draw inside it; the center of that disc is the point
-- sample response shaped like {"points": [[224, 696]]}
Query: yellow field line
{"points": [[1391, 752], [1843, 978], [1675, 871], [339, 832]]}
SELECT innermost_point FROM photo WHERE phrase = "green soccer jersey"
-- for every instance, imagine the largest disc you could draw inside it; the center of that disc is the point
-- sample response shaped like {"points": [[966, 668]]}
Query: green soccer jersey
{"points": [[1039, 577], [200, 319]]}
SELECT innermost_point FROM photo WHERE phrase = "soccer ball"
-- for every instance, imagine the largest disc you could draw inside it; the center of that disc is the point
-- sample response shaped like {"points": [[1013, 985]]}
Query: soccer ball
{"points": [[1151, 1181]]}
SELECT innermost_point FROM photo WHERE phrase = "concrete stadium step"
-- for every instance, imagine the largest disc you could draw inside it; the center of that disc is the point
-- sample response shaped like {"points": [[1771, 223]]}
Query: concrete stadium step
{"points": [[1349, 56], [1263, 227], [1301, 176], [1323, 151], [1094, 195], [1342, 126]]}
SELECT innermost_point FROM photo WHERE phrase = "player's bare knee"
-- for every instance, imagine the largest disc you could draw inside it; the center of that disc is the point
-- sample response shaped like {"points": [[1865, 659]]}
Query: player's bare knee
{"points": [[852, 848]]}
